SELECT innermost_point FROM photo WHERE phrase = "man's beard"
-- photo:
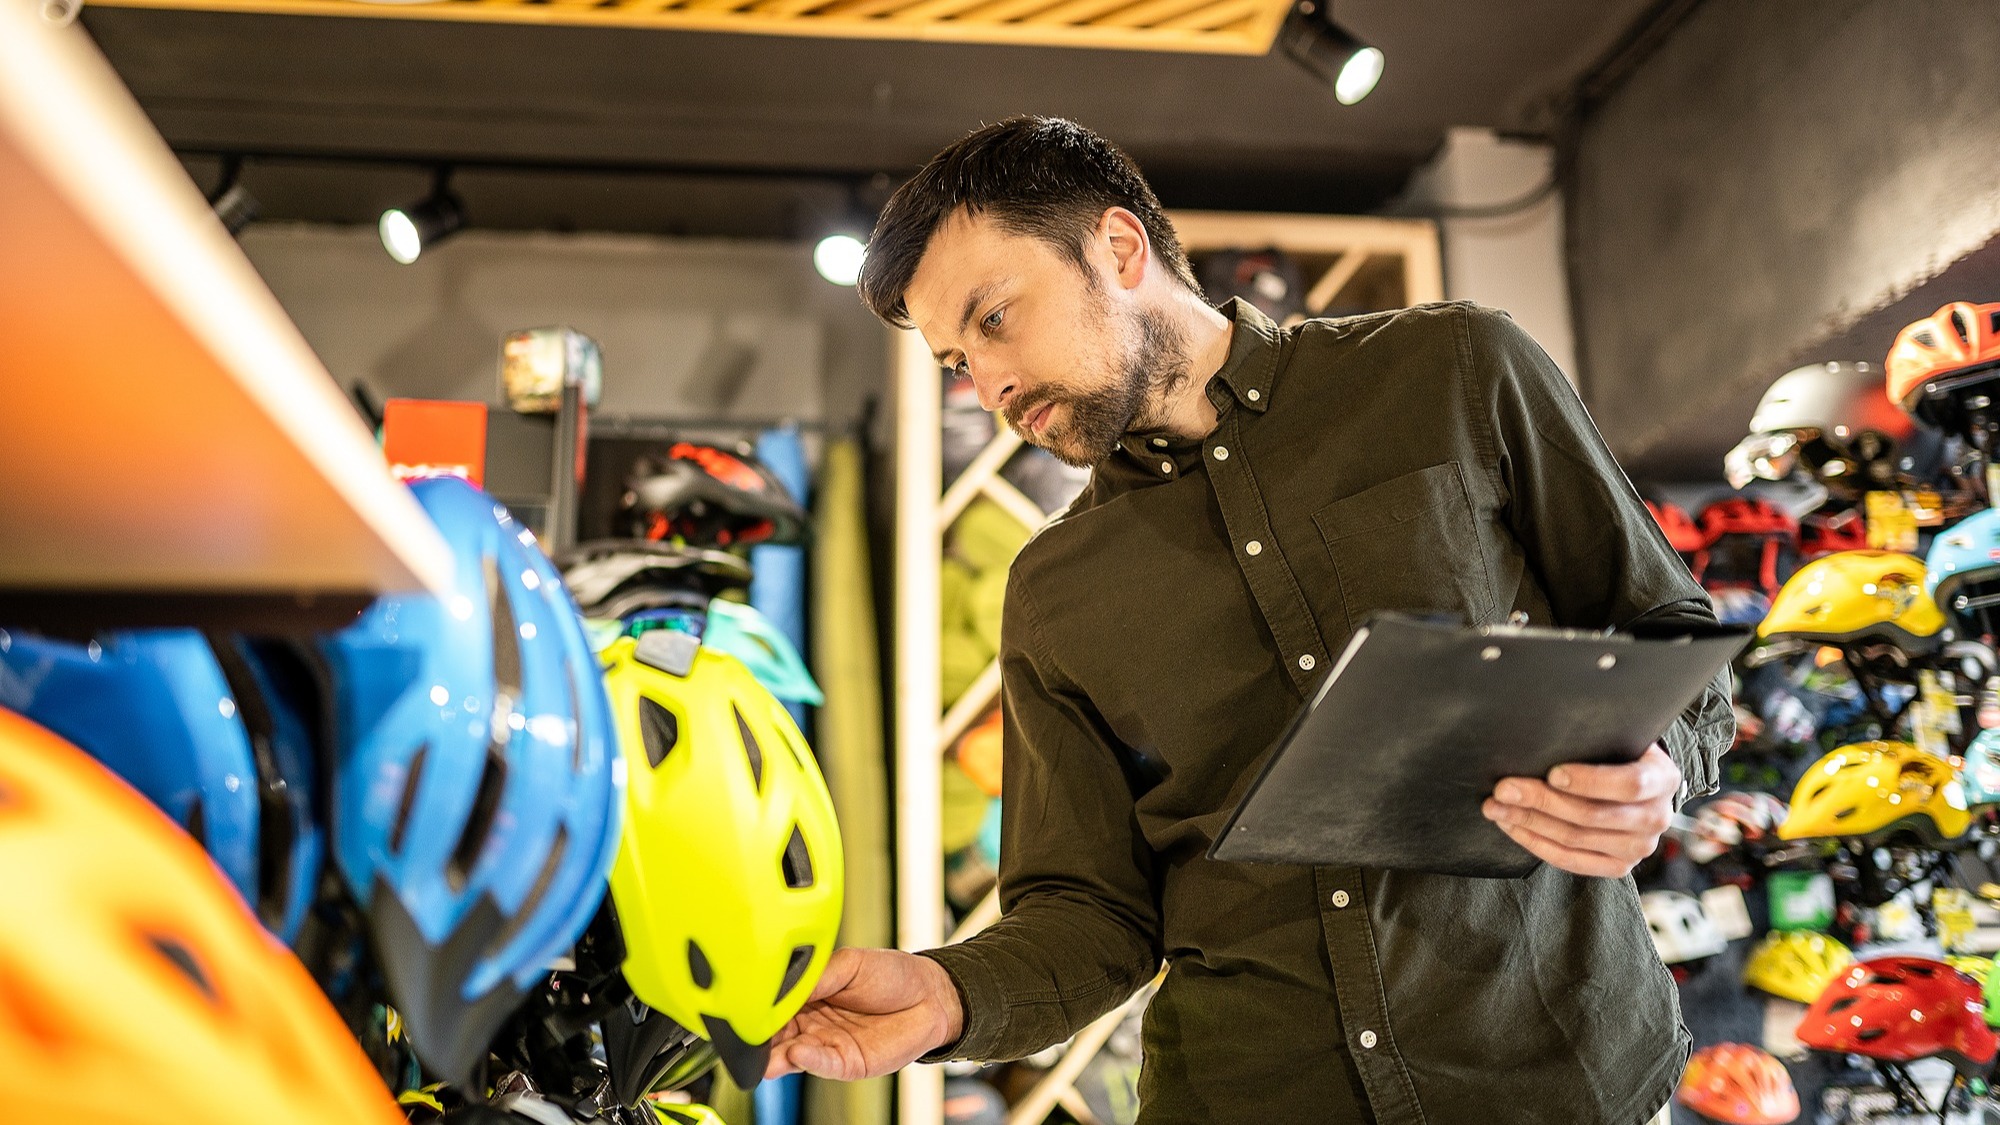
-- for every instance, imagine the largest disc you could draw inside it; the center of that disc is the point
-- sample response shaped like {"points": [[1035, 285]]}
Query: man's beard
{"points": [[1154, 366]]}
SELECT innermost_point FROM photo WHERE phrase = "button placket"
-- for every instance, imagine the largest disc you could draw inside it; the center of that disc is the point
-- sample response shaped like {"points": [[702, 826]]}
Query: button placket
{"points": [[1350, 945], [1271, 582]]}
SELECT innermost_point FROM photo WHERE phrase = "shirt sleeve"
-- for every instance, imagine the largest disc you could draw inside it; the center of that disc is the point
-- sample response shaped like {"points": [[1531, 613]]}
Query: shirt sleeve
{"points": [[1079, 932], [1599, 554]]}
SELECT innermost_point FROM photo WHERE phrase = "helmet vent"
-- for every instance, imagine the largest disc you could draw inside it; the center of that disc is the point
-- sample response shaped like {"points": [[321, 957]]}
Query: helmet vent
{"points": [[183, 960], [197, 824], [1871, 1034], [1841, 1004], [797, 862], [698, 967], [1959, 324], [411, 781], [1925, 337], [659, 730], [795, 971], [550, 866], [506, 635], [576, 734], [750, 747], [485, 805]]}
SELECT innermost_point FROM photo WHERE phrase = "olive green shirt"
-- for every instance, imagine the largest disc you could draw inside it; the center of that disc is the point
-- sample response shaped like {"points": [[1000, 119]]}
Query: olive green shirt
{"points": [[1159, 636]]}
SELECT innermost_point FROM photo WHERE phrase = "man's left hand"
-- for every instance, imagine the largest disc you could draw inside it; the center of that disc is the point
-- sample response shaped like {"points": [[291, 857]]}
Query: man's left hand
{"points": [[1590, 820]]}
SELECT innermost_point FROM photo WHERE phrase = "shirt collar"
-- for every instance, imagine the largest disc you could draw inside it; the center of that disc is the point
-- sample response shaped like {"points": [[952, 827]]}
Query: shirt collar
{"points": [[1253, 355]]}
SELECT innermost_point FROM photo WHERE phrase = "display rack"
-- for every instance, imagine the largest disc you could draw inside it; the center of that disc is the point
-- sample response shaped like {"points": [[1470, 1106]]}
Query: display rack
{"points": [[1357, 264], [173, 450]]}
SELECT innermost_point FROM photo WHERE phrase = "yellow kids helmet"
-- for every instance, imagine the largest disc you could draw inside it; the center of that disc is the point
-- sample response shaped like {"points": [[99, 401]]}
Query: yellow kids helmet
{"points": [[1857, 596], [1795, 964], [1870, 788], [728, 880]]}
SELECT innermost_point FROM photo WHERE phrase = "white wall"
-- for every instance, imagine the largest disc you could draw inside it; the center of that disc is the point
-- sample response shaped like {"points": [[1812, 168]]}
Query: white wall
{"points": [[688, 327], [1514, 262]]}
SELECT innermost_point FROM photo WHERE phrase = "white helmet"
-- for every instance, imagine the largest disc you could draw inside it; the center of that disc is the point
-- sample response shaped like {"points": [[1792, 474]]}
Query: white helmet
{"points": [[1680, 928]]}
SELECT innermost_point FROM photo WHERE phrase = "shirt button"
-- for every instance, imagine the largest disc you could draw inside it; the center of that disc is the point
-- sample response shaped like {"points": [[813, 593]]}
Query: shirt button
{"points": [[1252, 394], [1166, 466], [1159, 443], [1340, 899], [1253, 548], [1306, 662], [1368, 1040], [1221, 453]]}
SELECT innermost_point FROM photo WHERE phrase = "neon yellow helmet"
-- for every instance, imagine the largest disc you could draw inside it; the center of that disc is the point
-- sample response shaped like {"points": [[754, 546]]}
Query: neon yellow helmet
{"points": [[1795, 964], [1855, 596], [671, 1114], [1972, 966], [728, 881], [1871, 788]]}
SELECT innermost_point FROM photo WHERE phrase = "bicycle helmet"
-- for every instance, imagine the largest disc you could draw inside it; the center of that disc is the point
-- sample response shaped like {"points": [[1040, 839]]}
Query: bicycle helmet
{"points": [[134, 986], [1835, 421], [1938, 363], [1981, 772], [1682, 534], [706, 496], [1856, 597], [1828, 532], [745, 633], [1795, 964], [204, 732], [978, 753], [1680, 927], [1732, 820], [1749, 543], [1901, 1009], [685, 1114], [1962, 571], [478, 792], [1971, 965], [1871, 790], [728, 880], [1740, 1085], [616, 577]]}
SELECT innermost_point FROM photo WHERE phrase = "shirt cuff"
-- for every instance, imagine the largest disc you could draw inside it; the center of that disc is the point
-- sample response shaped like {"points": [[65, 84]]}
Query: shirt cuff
{"points": [[980, 1000]]}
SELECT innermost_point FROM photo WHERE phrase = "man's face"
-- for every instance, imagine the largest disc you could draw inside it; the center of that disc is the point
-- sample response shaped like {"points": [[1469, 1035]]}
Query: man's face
{"points": [[1072, 361]]}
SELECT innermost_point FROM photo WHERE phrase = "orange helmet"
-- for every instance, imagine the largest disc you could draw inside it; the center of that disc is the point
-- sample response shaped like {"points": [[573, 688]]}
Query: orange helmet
{"points": [[1957, 344], [134, 985], [1739, 1084]]}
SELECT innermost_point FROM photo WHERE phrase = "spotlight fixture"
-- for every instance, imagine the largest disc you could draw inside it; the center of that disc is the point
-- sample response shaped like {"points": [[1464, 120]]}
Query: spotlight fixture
{"points": [[1316, 42], [231, 201], [408, 231], [838, 258]]}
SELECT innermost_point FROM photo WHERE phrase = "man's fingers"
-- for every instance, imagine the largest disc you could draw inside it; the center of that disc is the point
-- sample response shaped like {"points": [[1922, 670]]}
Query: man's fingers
{"points": [[1651, 777], [1633, 845], [1573, 860], [1525, 794]]}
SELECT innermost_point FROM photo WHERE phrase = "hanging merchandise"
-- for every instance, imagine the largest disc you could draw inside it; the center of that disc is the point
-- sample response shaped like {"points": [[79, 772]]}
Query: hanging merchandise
{"points": [[1900, 1010], [1830, 531], [989, 834], [1981, 772], [978, 753], [1681, 930], [616, 578], [1835, 423], [1945, 369], [1268, 279], [1738, 606], [1795, 964], [1962, 574], [537, 363], [1738, 1084], [1857, 597], [1874, 790], [719, 937], [1679, 528], [1800, 900], [746, 634], [477, 796], [1750, 542], [685, 1114], [1734, 822], [133, 985], [204, 732], [707, 496], [969, 1101]]}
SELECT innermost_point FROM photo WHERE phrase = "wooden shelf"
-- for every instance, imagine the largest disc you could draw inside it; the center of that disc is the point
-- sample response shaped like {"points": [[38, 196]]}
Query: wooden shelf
{"points": [[168, 438]]}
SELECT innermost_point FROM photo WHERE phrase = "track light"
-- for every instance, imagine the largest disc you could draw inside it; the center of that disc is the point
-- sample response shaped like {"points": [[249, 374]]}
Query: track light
{"points": [[1322, 46], [231, 201], [838, 258], [408, 231]]}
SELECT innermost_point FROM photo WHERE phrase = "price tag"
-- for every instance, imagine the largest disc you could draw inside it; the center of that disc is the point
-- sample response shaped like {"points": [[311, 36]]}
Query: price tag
{"points": [[1726, 909], [1891, 524], [1801, 900]]}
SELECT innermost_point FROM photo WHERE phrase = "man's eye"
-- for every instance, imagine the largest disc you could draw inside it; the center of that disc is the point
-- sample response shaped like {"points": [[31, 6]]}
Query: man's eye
{"points": [[992, 321], [959, 370]]}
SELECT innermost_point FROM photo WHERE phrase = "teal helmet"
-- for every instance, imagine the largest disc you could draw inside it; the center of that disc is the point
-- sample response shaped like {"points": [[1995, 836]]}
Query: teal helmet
{"points": [[746, 634]]}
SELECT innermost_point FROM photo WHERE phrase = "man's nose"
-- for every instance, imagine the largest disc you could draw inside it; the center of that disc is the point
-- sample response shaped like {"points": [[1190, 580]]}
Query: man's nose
{"points": [[995, 391]]}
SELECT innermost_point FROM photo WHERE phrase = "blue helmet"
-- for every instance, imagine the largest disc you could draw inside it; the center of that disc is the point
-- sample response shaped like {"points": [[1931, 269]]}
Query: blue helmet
{"points": [[214, 734], [1982, 769], [477, 790], [1964, 566]]}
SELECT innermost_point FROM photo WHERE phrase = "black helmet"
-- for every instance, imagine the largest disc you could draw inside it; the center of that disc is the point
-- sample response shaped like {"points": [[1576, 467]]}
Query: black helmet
{"points": [[707, 496]]}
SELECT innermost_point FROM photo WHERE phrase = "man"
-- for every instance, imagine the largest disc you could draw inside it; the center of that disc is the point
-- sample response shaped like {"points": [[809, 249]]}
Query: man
{"points": [[1256, 493]]}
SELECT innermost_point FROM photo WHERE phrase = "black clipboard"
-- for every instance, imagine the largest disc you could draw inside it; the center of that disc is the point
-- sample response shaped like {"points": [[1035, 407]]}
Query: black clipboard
{"points": [[1389, 762]]}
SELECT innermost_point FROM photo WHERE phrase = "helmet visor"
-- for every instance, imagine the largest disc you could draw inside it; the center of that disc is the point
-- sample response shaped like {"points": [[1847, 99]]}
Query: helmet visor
{"points": [[1771, 456]]}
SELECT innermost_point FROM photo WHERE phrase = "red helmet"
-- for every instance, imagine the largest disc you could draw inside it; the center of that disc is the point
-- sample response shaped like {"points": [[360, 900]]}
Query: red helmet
{"points": [[1823, 534], [1758, 519], [1682, 534], [1959, 343], [1740, 1085], [1901, 1009]]}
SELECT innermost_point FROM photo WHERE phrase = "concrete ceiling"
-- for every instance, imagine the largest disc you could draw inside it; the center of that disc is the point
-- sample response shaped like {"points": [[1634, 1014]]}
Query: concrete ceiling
{"points": [[756, 136]]}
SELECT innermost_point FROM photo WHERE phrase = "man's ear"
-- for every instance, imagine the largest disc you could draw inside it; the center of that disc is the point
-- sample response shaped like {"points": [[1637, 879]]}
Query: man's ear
{"points": [[1121, 232]]}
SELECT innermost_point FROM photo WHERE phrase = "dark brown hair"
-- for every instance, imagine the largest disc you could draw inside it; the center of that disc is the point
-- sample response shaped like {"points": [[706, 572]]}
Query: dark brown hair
{"points": [[1043, 177]]}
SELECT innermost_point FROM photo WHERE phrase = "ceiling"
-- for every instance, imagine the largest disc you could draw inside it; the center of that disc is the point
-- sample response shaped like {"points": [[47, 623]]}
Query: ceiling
{"points": [[701, 133]]}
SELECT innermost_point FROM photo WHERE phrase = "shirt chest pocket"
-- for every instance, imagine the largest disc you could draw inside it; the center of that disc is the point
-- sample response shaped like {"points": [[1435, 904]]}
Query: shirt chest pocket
{"points": [[1410, 544]]}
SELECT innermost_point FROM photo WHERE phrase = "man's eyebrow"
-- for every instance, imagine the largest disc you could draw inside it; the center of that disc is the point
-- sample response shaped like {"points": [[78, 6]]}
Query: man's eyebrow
{"points": [[973, 300]]}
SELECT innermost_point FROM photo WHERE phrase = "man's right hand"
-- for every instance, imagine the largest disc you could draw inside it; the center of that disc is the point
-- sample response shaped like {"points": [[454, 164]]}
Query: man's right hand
{"points": [[874, 1011]]}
